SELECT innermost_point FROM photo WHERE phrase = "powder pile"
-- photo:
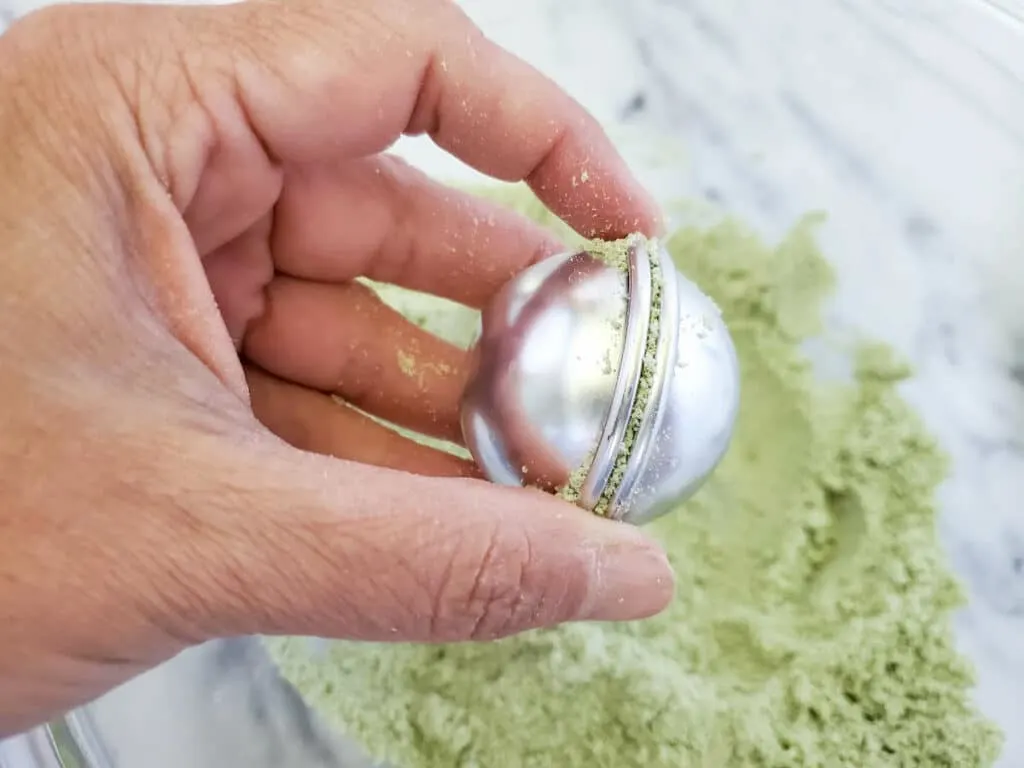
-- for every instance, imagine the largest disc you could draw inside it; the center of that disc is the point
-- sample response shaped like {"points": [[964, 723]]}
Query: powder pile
{"points": [[811, 622]]}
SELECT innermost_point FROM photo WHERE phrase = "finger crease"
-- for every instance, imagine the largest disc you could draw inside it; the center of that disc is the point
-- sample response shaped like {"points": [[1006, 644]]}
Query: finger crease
{"points": [[425, 116], [542, 163], [477, 589]]}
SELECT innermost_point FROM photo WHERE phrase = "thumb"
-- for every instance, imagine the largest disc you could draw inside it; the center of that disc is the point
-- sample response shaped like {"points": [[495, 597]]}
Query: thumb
{"points": [[311, 545]]}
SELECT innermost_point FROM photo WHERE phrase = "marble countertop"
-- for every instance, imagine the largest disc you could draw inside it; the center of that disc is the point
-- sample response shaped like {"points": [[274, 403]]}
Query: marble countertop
{"points": [[904, 119]]}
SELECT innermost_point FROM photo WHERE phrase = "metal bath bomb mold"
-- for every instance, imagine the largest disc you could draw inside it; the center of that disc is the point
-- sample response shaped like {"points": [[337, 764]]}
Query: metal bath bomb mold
{"points": [[614, 380]]}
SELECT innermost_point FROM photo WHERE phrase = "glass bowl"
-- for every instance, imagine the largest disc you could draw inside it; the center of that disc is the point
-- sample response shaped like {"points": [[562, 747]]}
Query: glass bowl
{"points": [[904, 120]]}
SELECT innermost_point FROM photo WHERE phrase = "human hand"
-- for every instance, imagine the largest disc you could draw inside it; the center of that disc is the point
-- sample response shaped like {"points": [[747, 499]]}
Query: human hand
{"points": [[186, 195]]}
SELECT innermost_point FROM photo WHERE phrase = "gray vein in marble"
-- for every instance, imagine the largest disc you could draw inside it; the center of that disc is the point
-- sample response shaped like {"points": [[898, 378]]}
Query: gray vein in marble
{"points": [[1011, 9], [704, 24], [855, 11], [849, 160], [981, 53], [680, 108], [634, 107]]}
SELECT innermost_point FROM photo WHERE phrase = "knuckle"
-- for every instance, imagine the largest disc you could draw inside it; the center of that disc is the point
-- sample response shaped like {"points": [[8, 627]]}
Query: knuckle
{"points": [[502, 586]]}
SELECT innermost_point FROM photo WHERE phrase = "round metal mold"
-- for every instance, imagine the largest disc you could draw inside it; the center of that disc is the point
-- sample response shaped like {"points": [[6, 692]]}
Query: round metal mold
{"points": [[622, 379]]}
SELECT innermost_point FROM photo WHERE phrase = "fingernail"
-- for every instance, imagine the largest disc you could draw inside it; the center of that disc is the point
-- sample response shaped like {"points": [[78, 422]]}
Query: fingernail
{"points": [[632, 580]]}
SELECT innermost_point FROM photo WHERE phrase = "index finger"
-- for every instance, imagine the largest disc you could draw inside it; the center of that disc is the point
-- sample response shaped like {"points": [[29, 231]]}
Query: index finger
{"points": [[340, 80], [498, 114]]}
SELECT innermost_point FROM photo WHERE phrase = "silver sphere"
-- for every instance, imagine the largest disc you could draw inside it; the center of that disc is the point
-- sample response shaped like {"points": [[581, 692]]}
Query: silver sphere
{"points": [[577, 379]]}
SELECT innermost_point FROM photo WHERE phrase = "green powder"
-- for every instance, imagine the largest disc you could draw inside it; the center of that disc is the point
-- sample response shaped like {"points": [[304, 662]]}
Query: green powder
{"points": [[811, 623], [573, 489], [643, 391], [616, 254]]}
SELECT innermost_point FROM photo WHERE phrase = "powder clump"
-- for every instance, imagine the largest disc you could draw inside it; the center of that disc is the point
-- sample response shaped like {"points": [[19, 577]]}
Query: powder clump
{"points": [[573, 489], [810, 625]]}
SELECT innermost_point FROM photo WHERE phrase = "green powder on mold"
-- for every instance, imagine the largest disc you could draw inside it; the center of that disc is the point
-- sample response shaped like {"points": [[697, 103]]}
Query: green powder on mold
{"points": [[648, 370], [811, 622], [573, 489], [616, 254]]}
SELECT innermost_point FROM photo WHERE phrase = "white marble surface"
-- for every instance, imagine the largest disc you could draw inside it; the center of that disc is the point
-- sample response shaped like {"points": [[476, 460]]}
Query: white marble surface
{"points": [[904, 119]]}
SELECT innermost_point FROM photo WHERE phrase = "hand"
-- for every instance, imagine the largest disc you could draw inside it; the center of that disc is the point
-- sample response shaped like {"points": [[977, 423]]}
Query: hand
{"points": [[186, 194]]}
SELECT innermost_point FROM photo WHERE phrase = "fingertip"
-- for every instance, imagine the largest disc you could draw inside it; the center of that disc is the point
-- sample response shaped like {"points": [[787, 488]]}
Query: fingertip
{"points": [[625, 573], [510, 121], [589, 185], [655, 220], [633, 580]]}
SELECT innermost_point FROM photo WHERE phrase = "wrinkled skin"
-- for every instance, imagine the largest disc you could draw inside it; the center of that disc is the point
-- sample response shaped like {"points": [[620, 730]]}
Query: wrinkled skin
{"points": [[186, 195]]}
